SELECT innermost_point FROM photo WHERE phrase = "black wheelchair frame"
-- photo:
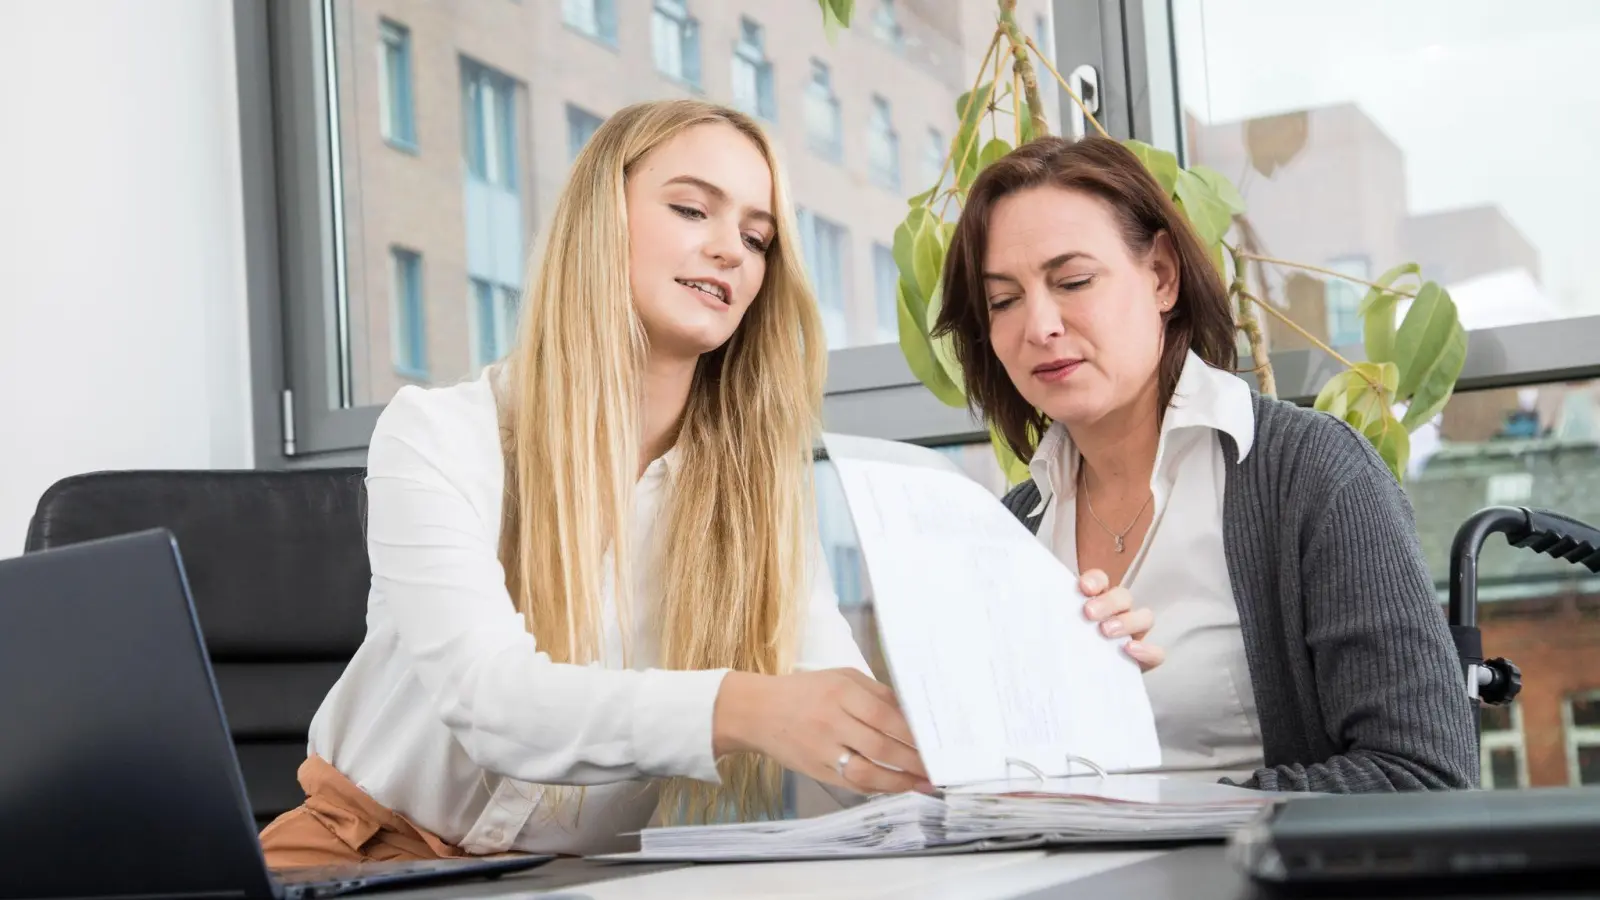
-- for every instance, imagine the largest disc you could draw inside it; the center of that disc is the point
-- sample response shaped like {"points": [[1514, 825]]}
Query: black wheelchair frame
{"points": [[1498, 681]]}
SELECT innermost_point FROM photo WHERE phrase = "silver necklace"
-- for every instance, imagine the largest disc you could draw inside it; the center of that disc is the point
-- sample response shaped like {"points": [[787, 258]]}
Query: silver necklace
{"points": [[1120, 537]]}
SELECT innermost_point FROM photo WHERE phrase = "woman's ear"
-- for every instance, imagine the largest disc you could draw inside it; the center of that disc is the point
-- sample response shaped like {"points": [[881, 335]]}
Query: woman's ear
{"points": [[1164, 267]]}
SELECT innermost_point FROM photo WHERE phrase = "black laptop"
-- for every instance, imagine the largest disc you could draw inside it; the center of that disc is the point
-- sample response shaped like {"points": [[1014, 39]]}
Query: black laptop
{"points": [[117, 774], [1419, 837]]}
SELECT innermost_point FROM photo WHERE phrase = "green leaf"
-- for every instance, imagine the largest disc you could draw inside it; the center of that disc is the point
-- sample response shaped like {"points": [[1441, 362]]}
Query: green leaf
{"points": [[947, 232], [965, 147], [1430, 348], [918, 350], [1221, 186], [1205, 211], [1026, 113], [944, 347], [830, 20], [1352, 396], [992, 152], [1392, 442], [1219, 258], [844, 9], [904, 252], [1425, 340], [1377, 311], [1014, 469], [922, 198], [1163, 165], [927, 256]]}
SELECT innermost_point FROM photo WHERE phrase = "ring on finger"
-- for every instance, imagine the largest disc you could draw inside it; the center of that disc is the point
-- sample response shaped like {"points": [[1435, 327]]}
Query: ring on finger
{"points": [[842, 761]]}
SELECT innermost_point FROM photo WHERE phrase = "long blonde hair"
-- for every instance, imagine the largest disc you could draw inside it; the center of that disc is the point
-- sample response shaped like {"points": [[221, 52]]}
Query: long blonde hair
{"points": [[739, 517]]}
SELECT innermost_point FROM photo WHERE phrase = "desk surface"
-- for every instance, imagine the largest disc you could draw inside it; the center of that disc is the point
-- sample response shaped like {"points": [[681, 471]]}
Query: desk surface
{"points": [[978, 876], [1192, 873]]}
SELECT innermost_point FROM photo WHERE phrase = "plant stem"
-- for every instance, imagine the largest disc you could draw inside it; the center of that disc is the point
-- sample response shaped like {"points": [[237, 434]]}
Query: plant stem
{"points": [[1066, 87], [972, 98], [1321, 271], [1022, 68], [1317, 342], [1251, 326]]}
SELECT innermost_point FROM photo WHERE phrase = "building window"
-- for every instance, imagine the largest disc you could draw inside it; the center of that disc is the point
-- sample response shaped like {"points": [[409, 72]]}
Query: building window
{"points": [[488, 112], [676, 37], [886, 292], [883, 145], [409, 333], [1343, 299], [595, 18], [933, 154], [581, 125], [824, 245], [886, 25], [1502, 751], [1581, 713], [824, 130], [494, 320], [752, 73], [396, 115]]}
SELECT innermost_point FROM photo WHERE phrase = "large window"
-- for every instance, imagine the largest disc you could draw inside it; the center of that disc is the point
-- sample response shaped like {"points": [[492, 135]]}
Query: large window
{"points": [[675, 37], [395, 109], [489, 122], [885, 288], [753, 90], [494, 320], [1502, 750]]}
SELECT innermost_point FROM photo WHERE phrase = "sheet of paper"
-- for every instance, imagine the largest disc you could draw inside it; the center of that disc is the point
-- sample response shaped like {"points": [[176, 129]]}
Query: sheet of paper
{"points": [[983, 628]]}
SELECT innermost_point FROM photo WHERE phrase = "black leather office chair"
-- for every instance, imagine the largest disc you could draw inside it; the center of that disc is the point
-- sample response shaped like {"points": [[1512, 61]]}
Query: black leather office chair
{"points": [[278, 566]]}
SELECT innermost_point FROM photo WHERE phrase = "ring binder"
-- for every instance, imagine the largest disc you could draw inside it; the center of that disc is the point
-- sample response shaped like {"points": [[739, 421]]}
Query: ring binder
{"points": [[1070, 757]]}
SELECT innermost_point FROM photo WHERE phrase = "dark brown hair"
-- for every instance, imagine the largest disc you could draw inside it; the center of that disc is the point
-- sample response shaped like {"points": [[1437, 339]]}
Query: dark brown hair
{"points": [[1201, 320]]}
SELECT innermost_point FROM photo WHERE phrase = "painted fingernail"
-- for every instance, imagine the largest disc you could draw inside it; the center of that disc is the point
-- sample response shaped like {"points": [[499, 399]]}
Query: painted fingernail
{"points": [[1112, 628]]}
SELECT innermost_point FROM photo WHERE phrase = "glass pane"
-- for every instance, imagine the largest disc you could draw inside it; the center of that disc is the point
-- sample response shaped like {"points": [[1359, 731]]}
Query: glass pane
{"points": [[1585, 711], [843, 552], [1494, 718], [508, 129], [1543, 614], [1589, 764], [1393, 132], [1503, 768]]}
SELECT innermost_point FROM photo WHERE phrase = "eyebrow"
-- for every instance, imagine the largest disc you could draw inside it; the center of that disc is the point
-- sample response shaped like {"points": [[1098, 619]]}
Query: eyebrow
{"points": [[721, 195], [1054, 262]]}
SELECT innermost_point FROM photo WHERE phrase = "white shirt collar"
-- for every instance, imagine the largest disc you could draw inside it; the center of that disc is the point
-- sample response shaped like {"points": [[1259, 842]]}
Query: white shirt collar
{"points": [[1205, 397]]}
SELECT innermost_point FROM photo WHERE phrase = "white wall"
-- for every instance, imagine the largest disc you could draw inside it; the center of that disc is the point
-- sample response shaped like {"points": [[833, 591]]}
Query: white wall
{"points": [[123, 337]]}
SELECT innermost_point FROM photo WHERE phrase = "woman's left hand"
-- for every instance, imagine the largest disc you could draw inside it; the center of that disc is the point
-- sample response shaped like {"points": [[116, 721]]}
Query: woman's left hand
{"points": [[1113, 608]]}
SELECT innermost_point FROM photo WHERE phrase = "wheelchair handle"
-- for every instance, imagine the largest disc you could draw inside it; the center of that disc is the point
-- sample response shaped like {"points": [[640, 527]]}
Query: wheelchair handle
{"points": [[1542, 531]]}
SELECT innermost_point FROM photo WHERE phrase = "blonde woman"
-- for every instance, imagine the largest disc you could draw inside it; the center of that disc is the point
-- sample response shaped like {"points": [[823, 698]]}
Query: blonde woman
{"points": [[596, 587]]}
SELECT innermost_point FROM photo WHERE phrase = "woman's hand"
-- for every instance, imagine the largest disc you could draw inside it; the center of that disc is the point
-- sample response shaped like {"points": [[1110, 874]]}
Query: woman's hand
{"points": [[1113, 608], [809, 721]]}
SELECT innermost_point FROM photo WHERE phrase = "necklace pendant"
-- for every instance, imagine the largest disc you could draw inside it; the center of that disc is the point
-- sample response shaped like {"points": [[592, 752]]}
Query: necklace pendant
{"points": [[1119, 543]]}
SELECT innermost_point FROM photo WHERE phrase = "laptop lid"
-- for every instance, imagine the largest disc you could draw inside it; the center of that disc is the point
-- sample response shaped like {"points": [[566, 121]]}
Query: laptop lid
{"points": [[117, 773]]}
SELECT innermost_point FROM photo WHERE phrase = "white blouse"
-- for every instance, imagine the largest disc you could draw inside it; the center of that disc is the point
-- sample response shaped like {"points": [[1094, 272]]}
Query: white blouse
{"points": [[1204, 706], [450, 715]]}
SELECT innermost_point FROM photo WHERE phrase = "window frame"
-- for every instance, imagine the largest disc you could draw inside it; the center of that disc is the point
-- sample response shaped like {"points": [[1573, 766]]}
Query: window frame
{"points": [[299, 314], [397, 108], [1577, 736], [1514, 738]]}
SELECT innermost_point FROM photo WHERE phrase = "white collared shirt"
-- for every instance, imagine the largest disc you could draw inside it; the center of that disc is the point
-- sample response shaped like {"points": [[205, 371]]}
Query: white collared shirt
{"points": [[1202, 698], [450, 715]]}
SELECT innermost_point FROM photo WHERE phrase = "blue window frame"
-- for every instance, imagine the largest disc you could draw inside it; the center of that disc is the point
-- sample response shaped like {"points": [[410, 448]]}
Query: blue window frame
{"points": [[581, 125], [489, 120], [675, 37], [886, 288], [824, 243], [595, 18], [753, 89]]}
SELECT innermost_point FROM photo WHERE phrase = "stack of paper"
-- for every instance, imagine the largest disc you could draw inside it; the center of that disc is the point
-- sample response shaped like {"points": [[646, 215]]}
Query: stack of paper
{"points": [[1117, 808], [889, 824]]}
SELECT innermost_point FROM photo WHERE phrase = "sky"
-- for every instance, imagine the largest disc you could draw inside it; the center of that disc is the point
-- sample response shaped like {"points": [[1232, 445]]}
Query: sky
{"points": [[1491, 103]]}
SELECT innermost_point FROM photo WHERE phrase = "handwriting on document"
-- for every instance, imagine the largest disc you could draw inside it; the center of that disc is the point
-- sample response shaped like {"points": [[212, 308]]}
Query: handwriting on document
{"points": [[985, 634]]}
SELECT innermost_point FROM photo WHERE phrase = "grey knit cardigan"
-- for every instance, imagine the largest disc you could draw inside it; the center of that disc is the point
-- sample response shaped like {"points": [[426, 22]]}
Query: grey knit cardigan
{"points": [[1356, 680]]}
